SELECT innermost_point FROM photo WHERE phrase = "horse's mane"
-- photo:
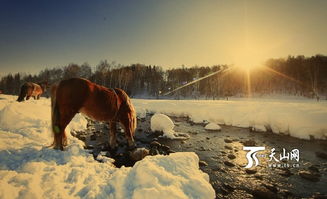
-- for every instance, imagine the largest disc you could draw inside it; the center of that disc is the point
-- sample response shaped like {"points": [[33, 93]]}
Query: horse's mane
{"points": [[44, 85], [126, 105]]}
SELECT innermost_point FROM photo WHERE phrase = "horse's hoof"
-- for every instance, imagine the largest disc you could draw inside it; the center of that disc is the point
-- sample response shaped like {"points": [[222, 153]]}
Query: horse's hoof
{"points": [[112, 149], [56, 148], [132, 147], [59, 148]]}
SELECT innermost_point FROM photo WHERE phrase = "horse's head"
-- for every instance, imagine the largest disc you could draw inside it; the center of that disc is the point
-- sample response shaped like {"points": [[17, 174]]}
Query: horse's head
{"points": [[44, 85], [127, 115]]}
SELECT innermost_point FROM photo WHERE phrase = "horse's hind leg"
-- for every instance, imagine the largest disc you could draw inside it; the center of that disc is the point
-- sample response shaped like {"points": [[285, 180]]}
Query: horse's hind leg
{"points": [[61, 138], [28, 97], [112, 135], [38, 97], [34, 97]]}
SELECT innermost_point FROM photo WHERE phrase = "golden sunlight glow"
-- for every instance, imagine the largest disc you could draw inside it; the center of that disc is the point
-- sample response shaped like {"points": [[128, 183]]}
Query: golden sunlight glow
{"points": [[248, 59]]}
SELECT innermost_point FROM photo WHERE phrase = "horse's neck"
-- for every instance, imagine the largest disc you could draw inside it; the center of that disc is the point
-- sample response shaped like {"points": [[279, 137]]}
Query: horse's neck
{"points": [[41, 86]]}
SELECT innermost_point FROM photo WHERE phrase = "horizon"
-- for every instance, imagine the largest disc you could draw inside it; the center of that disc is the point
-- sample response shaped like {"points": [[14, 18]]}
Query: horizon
{"points": [[38, 35], [93, 67]]}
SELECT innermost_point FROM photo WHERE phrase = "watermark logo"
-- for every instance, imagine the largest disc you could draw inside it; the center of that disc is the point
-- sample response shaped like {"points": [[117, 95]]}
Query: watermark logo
{"points": [[284, 160], [252, 155]]}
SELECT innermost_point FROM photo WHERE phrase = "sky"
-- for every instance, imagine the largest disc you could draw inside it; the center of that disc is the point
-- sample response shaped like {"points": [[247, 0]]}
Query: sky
{"points": [[35, 35]]}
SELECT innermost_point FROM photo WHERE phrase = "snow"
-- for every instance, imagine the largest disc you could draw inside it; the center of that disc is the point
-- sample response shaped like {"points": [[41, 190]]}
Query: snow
{"points": [[29, 169], [166, 177], [212, 127], [161, 122], [141, 112], [297, 117]]}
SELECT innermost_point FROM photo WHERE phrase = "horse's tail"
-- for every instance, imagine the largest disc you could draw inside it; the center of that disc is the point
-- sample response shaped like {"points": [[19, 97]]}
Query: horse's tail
{"points": [[23, 93], [58, 137], [126, 106]]}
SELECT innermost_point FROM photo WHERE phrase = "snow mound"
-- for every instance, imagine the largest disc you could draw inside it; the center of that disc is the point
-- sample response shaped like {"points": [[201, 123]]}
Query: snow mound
{"points": [[78, 123], [174, 176], [212, 127], [161, 122]]}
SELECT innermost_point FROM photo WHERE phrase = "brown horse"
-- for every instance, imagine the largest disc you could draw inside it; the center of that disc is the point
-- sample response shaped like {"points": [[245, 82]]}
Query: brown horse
{"points": [[30, 89], [97, 102]]}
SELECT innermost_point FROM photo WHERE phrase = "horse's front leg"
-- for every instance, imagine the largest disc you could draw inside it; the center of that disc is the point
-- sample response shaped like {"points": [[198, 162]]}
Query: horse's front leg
{"points": [[34, 97], [130, 139], [112, 135]]}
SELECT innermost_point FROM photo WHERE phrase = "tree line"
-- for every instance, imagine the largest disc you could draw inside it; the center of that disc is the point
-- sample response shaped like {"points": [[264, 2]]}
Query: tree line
{"points": [[301, 76]]}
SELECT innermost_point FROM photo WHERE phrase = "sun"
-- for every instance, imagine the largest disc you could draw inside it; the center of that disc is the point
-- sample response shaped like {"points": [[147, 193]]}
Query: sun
{"points": [[248, 63], [248, 56], [248, 60]]}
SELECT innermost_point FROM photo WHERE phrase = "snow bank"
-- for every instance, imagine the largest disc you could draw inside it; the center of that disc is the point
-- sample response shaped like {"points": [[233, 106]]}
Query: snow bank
{"points": [[161, 122], [298, 118], [212, 127], [32, 119], [28, 169]]}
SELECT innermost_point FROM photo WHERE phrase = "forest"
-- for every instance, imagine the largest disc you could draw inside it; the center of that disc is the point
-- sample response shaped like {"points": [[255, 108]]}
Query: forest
{"points": [[294, 75]]}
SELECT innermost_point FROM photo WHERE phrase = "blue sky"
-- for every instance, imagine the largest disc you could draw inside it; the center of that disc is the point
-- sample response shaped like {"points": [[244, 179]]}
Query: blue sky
{"points": [[39, 34]]}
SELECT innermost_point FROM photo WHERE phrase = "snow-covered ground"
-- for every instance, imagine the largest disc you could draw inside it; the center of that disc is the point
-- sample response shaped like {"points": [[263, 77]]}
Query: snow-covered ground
{"points": [[300, 118], [28, 169]]}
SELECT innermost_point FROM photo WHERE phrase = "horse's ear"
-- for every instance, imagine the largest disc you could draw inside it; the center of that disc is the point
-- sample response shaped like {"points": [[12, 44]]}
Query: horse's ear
{"points": [[45, 83]]}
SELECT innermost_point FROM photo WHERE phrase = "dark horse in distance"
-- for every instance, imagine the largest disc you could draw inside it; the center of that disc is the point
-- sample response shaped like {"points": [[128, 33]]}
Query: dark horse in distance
{"points": [[30, 89], [97, 102]]}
